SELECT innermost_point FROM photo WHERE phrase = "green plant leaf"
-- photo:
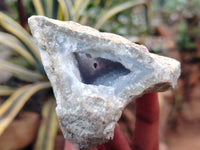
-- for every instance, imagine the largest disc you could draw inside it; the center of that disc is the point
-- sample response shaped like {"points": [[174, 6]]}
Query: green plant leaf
{"points": [[107, 5], [48, 128], [6, 90], [60, 15], [76, 6], [116, 9], [79, 9], [54, 10], [51, 8], [38, 7], [49, 4], [84, 19], [11, 107], [20, 72], [66, 6], [16, 45], [13, 27], [97, 2]]}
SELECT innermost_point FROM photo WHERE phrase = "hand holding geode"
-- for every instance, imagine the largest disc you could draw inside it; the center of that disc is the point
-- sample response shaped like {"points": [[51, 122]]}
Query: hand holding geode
{"points": [[95, 75]]}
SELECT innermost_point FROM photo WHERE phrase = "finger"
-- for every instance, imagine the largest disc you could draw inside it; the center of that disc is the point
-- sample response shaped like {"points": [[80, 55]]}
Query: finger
{"points": [[119, 141], [147, 123], [69, 146], [100, 147], [95, 148]]}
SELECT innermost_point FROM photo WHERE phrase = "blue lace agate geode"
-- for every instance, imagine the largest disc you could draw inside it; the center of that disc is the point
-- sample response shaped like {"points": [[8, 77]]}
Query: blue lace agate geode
{"points": [[95, 75]]}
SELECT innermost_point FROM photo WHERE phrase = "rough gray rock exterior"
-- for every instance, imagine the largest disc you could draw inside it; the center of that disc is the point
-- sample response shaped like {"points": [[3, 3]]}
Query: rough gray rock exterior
{"points": [[95, 75]]}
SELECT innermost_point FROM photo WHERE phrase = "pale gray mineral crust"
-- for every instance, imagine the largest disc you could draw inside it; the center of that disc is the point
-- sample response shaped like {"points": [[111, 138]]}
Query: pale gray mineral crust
{"points": [[95, 75]]}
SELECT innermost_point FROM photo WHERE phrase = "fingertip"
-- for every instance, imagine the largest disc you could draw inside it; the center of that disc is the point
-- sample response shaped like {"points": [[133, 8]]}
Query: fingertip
{"points": [[119, 141], [69, 146]]}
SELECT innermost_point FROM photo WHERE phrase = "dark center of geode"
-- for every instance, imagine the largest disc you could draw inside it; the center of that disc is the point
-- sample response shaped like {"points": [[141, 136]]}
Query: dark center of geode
{"points": [[99, 71]]}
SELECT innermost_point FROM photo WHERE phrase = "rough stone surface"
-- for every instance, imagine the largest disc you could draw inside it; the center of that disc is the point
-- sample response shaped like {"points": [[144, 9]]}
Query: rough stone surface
{"points": [[95, 75]]}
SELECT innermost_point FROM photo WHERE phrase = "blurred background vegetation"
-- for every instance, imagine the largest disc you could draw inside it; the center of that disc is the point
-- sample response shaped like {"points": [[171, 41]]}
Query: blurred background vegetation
{"points": [[170, 28]]}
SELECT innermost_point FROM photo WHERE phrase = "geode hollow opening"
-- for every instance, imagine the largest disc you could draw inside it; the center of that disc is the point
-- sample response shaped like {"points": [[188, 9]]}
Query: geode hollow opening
{"points": [[99, 71]]}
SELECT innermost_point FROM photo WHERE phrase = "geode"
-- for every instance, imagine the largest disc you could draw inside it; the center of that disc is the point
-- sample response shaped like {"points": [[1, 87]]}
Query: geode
{"points": [[95, 75]]}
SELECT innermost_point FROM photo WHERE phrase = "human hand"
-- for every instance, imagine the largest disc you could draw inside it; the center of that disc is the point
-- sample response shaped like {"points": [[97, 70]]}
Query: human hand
{"points": [[146, 136]]}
